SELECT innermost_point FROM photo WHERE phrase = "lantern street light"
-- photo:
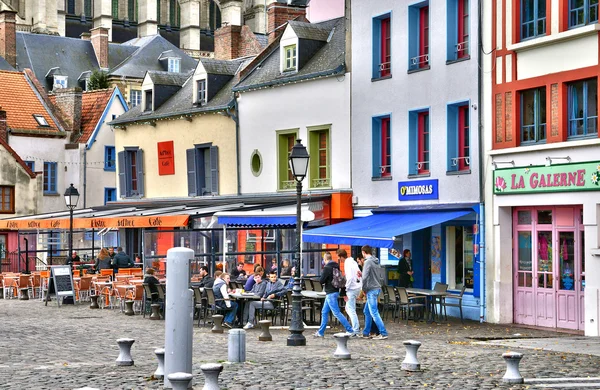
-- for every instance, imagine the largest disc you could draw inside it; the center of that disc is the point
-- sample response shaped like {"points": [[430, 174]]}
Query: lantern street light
{"points": [[71, 199], [299, 166]]}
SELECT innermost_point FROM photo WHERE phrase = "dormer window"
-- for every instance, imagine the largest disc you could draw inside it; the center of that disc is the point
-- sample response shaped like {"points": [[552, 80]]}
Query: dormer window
{"points": [[60, 82], [41, 121], [174, 65], [290, 58], [148, 99], [201, 97]]}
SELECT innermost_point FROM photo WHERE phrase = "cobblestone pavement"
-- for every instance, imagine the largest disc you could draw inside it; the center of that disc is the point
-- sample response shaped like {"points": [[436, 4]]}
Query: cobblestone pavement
{"points": [[73, 347]]}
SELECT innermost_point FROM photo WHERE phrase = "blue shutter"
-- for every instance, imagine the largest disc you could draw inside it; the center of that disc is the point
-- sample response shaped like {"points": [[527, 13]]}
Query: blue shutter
{"points": [[376, 147], [122, 169], [190, 155], [452, 137], [214, 170], [140, 171]]}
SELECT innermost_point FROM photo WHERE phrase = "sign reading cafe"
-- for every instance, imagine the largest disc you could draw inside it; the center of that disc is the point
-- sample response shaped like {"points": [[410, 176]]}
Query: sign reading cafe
{"points": [[553, 178]]}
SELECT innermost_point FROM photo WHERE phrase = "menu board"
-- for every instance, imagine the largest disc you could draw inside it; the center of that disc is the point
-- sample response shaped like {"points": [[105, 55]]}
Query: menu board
{"points": [[60, 283]]}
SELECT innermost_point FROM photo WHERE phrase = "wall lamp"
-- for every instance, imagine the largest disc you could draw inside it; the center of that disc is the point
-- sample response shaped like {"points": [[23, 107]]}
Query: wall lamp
{"points": [[550, 159], [496, 163]]}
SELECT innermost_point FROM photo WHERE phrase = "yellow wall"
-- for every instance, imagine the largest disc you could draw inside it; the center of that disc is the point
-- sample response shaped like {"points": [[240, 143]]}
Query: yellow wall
{"points": [[216, 128]]}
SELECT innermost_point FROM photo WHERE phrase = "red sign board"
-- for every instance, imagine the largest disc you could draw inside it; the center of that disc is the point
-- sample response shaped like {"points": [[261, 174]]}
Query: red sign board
{"points": [[166, 158]]}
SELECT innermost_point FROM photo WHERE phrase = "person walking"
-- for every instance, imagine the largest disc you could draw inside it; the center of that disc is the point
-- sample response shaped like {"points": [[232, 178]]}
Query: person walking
{"points": [[371, 279], [353, 287], [122, 260], [405, 270], [331, 297]]}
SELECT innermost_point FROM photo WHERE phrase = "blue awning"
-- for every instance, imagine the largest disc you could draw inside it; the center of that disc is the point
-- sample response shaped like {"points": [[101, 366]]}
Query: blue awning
{"points": [[379, 230], [276, 216]]}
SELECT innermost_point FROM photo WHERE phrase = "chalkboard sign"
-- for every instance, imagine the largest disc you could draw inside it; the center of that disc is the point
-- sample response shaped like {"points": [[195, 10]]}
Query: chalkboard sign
{"points": [[60, 283]]}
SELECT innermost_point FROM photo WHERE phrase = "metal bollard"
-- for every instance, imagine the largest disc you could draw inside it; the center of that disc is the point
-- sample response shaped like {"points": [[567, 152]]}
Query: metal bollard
{"points": [[341, 352], [265, 335], [24, 294], [512, 374], [160, 355], [211, 373], [236, 346], [124, 358], [129, 308], [155, 311], [180, 380], [410, 362], [217, 323], [94, 303]]}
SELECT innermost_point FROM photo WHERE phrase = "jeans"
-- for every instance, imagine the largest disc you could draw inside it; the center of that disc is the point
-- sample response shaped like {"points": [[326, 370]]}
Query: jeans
{"points": [[257, 305], [351, 309], [331, 304], [371, 312], [231, 312]]}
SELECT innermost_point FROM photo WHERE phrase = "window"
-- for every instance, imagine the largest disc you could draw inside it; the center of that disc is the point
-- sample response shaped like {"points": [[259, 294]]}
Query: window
{"points": [[60, 82], [132, 10], [458, 30], [54, 243], [110, 195], [460, 260], [382, 51], [31, 165], [174, 13], [418, 36], [419, 144], [115, 9], [148, 97], [290, 58], [286, 142], [319, 169], [41, 121], [135, 97], [533, 18], [583, 108], [201, 85], [109, 158], [256, 163], [7, 199], [423, 163], [203, 170], [87, 8], [174, 65], [131, 172], [382, 147], [582, 12], [50, 179], [71, 7], [533, 115], [458, 137]]}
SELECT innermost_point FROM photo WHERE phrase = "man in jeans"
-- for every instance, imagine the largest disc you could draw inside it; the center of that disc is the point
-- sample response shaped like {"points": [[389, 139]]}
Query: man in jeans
{"points": [[353, 286], [372, 287], [331, 298]]}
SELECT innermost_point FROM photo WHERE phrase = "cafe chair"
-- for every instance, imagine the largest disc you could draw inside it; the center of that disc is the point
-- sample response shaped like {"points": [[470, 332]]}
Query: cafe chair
{"points": [[212, 304], [9, 287], [200, 307], [147, 301], [83, 288], [317, 286], [456, 302], [408, 304], [391, 302], [438, 287], [35, 285]]}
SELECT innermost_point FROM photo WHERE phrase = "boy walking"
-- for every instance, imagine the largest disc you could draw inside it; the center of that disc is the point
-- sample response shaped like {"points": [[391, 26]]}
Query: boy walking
{"points": [[372, 288]]}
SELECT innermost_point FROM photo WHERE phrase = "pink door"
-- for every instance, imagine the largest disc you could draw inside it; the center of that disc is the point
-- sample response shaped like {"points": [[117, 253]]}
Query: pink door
{"points": [[566, 295], [524, 295], [545, 295]]}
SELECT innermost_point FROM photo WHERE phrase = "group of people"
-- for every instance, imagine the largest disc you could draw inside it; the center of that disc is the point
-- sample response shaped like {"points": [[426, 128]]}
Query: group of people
{"points": [[108, 259]]}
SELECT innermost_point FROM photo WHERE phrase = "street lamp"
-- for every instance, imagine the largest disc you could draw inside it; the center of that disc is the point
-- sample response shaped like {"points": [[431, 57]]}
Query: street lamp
{"points": [[71, 199], [299, 165]]}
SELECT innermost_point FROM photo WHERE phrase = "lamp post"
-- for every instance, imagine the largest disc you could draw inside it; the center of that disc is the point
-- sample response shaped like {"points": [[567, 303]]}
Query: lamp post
{"points": [[299, 165], [71, 199]]}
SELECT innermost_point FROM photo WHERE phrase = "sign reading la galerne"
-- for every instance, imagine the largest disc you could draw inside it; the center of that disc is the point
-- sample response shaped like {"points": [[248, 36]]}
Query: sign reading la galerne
{"points": [[554, 178], [418, 190]]}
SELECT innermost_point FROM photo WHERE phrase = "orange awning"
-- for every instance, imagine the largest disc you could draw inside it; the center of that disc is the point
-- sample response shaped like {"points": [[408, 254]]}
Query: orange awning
{"points": [[97, 223]]}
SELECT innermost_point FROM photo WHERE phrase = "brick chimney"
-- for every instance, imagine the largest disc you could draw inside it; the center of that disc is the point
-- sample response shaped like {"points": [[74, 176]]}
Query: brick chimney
{"points": [[100, 44], [86, 36], [8, 36], [278, 14], [68, 101], [227, 42], [3, 126]]}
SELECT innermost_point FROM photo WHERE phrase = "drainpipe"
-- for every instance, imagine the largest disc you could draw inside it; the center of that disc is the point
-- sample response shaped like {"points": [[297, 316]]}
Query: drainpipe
{"points": [[482, 262], [84, 175], [234, 114]]}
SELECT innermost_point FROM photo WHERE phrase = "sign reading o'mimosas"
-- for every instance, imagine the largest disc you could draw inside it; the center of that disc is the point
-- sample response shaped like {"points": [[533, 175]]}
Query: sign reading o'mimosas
{"points": [[554, 178], [418, 190]]}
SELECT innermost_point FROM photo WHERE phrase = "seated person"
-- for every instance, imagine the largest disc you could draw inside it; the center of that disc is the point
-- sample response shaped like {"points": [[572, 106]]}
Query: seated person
{"points": [[206, 280], [273, 290], [239, 270], [103, 260], [258, 289], [286, 268], [290, 284], [222, 300], [152, 283], [250, 282]]}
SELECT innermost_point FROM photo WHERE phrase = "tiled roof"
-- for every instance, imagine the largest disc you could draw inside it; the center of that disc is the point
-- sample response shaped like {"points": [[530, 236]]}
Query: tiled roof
{"points": [[93, 104], [21, 102], [224, 67]]}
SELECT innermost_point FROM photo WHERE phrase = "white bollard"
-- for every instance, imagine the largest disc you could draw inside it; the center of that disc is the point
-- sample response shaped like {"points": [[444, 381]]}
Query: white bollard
{"points": [[410, 362], [179, 313], [211, 373], [125, 358], [236, 348], [512, 374], [341, 352], [160, 355], [180, 380]]}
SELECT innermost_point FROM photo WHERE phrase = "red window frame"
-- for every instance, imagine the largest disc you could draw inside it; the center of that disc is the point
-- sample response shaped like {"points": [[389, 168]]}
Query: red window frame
{"points": [[463, 137], [423, 37], [463, 28], [424, 126], [385, 49], [386, 148], [7, 200]]}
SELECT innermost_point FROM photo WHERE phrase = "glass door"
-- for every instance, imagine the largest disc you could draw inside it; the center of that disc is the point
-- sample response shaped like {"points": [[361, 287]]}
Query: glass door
{"points": [[524, 302], [566, 316], [544, 291]]}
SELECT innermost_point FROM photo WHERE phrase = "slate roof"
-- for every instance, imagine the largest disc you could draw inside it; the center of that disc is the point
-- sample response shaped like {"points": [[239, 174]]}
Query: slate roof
{"points": [[168, 78], [4, 65], [262, 39], [224, 67], [310, 31], [21, 102], [327, 61]]}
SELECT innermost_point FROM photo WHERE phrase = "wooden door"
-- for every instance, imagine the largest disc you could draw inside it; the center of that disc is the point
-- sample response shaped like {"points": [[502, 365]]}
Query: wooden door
{"points": [[567, 305], [524, 289], [545, 294]]}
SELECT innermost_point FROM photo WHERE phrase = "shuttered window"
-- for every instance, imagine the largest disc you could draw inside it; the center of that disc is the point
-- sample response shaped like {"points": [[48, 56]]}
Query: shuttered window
{"points": [[131, 172], [203, 170]]}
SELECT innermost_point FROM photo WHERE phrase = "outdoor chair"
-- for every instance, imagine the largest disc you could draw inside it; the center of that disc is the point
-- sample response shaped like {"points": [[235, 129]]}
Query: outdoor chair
{"points": [[317, 286], [456, 302], [199, 305], [83, 288], [212, 304], [438, 287], [408, 304], [391, 302], [9, 288], [35, 285], [136, 295], [23, 282], [148, 299]]}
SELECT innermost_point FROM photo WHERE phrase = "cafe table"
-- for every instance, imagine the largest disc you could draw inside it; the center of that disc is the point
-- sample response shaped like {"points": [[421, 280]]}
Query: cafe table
{"points": [[314, 296], [433, 298], [243, 298]]}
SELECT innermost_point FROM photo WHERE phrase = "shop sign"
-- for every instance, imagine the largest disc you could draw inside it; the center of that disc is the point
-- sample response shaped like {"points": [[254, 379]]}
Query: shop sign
{"points": [[418, 190], [553, 178], [166, 158], [97, 223]]}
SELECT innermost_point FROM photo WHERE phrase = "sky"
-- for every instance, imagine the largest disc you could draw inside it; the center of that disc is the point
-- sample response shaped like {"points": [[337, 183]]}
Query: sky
{"points": [[319, 10]]}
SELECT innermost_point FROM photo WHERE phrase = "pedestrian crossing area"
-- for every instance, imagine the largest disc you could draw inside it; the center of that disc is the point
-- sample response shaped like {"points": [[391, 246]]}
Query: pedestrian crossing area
{"points": [[564, 383]]}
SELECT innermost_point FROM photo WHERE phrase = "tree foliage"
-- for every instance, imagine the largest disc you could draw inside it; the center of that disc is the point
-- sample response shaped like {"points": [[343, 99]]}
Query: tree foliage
{"points": [[98, 80]]}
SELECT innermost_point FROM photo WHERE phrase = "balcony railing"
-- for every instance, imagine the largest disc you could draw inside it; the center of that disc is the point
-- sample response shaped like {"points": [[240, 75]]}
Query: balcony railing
{"points": [[319, 183], [288, 184], [419, 61]]}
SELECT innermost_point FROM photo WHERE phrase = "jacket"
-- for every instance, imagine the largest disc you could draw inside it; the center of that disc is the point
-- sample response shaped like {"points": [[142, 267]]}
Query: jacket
{"points": [[259, 289], [122, 260], [404, 278], [207, 282], [276, 288], [351, 270], [221, 296], [102, 263], [372, 274], [327, 277]]}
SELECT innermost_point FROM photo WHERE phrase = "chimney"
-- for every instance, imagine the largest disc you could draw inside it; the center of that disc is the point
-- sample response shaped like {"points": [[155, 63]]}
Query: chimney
{"points": [[86, 36], [3, 126], [100, 44], [278, 14], [8, 36], [68, 101], [227, 42]]}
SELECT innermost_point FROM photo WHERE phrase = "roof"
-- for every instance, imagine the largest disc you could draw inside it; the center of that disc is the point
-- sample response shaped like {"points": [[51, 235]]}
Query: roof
{"points": [[262, 39], [93, 104], [4, 65], [168, 54], [168, 78], [310, 31], [327, 61], [21, 102], [224, 67], [17, 158]]}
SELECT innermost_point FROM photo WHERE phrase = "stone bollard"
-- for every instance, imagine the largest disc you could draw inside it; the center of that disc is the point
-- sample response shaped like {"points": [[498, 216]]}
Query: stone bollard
{"points": [[94, 303], [341, 352], [180, 380], [24, 294], [236, 348], [265, 335], [129, 308], [124, 358], [410, 362], [155, 311], [211, 373], [217, 323], [160, 355], [512, 374]]}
